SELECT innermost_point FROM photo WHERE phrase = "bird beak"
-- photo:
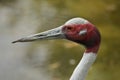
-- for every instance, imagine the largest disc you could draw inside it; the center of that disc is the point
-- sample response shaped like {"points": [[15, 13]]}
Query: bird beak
{"points": [[55, 33]]}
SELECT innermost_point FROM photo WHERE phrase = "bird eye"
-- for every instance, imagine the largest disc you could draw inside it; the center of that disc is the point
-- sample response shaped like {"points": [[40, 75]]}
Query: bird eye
{"points": [[69, 28]]}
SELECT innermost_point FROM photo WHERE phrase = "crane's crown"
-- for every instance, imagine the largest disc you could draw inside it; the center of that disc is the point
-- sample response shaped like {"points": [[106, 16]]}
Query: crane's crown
{"points": [[76, 21]]}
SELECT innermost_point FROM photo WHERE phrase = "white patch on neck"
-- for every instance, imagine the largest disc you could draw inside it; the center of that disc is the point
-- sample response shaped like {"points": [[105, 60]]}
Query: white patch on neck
{"points": [[76, 21], [82, 68]]}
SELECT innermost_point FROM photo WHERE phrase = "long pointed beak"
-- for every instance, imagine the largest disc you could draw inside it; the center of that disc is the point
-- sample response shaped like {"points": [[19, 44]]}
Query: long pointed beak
{"points": [[55, 33]]}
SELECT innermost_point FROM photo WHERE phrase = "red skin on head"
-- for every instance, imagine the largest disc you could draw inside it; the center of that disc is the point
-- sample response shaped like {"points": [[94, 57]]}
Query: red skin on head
{"points": [[91, 40]]}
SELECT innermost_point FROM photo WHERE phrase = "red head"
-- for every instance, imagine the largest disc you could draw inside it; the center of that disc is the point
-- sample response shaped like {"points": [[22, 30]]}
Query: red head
{"points": [[81, 31]]}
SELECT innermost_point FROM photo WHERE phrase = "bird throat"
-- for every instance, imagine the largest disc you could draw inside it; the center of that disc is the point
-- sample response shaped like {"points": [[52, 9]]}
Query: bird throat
{"points": [[93, 49]]}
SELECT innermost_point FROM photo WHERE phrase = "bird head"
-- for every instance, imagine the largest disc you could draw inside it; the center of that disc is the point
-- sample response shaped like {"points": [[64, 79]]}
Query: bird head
{"points": [[78, 30]]}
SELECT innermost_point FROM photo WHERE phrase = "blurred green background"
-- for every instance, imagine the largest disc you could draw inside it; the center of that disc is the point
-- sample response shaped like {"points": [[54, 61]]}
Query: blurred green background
{"points": [[56, 59]]}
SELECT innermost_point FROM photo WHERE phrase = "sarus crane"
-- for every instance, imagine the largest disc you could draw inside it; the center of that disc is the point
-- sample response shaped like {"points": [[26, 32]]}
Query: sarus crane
{"points": [[78, 30]]}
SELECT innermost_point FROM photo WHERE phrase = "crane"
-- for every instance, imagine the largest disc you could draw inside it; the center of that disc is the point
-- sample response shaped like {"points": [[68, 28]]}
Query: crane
{"points": [[78, 30]]}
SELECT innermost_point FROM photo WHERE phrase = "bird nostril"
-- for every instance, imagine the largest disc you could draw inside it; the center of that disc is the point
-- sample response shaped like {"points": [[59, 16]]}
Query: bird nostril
{"points": [[40, 35]]}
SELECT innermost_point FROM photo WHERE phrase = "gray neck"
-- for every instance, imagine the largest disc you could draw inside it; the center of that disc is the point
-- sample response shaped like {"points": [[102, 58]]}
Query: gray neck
{"points": [[82, 68]]}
